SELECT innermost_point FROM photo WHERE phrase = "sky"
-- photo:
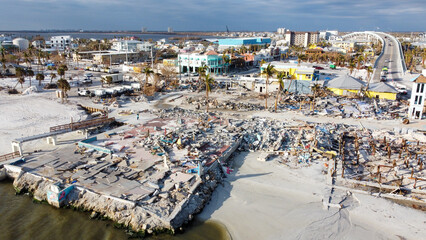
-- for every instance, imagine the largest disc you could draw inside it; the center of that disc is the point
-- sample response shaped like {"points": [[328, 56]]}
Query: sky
{"points": [[214, 15]]}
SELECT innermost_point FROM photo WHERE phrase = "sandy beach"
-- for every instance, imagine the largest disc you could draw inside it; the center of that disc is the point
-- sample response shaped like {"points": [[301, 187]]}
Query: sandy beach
{"points": [[265, 200]]}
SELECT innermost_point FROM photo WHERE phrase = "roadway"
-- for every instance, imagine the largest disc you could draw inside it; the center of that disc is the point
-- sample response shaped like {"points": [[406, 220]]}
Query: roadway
{"points": [[390, 59]]}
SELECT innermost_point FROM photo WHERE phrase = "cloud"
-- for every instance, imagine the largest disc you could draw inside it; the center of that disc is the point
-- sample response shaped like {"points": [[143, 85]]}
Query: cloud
{"points": [[212, 14]]}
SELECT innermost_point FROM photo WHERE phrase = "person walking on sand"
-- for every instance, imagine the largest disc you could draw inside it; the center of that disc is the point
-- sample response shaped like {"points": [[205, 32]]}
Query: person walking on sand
{"points": [[137, 116]]}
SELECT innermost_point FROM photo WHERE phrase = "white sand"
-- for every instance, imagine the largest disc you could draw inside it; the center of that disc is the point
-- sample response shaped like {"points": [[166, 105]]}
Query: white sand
{"points": [[26, 115], [264, 200]]}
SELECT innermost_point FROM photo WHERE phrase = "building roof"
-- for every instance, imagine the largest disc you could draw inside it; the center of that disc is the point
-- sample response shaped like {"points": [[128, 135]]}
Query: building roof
{"points": [[211, 52], [345, 82], [419, 79], [382, 87]]}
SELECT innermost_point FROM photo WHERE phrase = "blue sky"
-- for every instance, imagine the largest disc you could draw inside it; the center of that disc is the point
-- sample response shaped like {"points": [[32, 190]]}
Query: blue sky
{"points": [[214, 15]]}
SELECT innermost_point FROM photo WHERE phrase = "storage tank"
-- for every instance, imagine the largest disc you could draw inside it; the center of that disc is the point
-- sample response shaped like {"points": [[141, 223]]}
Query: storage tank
{"points": [[22, 43]]}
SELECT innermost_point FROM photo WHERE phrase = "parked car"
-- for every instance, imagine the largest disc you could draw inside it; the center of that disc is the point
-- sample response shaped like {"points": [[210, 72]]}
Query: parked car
{"points": [[83, 92], [318, 68], [86, 81]]}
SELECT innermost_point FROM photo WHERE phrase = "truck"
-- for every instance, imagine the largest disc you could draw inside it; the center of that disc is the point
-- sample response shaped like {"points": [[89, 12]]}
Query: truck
{"points": [[136, 86], [83, 92], [115, 77], [99, 93]]}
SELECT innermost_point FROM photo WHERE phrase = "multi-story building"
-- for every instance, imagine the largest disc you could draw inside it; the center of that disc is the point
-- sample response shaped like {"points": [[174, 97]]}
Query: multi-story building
{"points": [[60, 42], [418, 95], [125, 45], [116, 57], [131, 46], [302, 38], [238, 42], [281, 31], [191, 62]]}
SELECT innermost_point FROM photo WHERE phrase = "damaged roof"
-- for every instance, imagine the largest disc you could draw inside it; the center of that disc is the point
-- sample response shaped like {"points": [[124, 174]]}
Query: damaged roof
{"points": [[345, 82]]}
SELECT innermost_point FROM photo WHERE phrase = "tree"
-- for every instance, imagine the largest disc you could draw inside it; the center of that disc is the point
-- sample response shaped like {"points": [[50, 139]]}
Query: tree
{"points": [[280, 76], [108, 80], [300, 58], [61, 72], [351, 67], [209, 81], [3, 57], [269, 72], [52, 76], [30, 73], [20, 74], [202, 72], [369, 72], [64, 86], [226, 62], [359, 60], [148, 73], [39, 77]]}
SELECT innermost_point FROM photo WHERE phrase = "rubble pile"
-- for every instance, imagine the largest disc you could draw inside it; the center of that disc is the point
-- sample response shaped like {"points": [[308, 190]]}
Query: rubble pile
{"points": [[344, 107]]}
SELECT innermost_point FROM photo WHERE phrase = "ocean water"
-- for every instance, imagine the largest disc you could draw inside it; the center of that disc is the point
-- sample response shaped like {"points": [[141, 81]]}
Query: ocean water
{"points": [[21, 218], [88, 35]]}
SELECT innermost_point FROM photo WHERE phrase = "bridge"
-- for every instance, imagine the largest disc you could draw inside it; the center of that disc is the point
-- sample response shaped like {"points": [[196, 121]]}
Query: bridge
{"points": [[60, 129], [391, 55]]}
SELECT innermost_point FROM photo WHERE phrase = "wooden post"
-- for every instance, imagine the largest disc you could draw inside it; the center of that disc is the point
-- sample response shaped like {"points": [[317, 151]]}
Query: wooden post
{"points": [[415, 183], [394, 163], [412, 172], [380, 178], [343, 171]]}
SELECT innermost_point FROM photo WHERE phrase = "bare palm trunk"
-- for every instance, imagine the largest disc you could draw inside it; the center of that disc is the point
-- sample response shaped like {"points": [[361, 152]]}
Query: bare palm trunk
{"points": [[207, 104], [276, 100], [266, 98]]}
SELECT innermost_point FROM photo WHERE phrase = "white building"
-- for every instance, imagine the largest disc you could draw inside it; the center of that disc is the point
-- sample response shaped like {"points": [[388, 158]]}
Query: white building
{"points": [[21, 43], [125, 45], [418, 96], [281, 31], [327, 34], [60, 42], [131, 46]]}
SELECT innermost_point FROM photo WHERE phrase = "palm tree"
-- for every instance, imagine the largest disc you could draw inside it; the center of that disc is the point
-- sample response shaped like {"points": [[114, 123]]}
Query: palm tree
{"points": [[359, 60], [226, 62], [61, 71], [202, 72], [52, 76], [20, 73], [148, 73], [39, 77], [108, 80], [208, 80], [3, 58], [351, 67], [269, 72], [30, 73], [64, 86], [280, 76], [300, 57]]}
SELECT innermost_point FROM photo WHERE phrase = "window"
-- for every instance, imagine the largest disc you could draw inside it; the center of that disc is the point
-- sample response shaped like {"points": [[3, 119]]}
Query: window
{"points": [[423, 88], [420, 100], [418, 88], [416, 99]]}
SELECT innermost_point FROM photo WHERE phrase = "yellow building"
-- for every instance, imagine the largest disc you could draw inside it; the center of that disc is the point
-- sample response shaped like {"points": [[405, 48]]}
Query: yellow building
{"points": [[345, 85], [381, 90], [293, 71], [348, 85]]}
